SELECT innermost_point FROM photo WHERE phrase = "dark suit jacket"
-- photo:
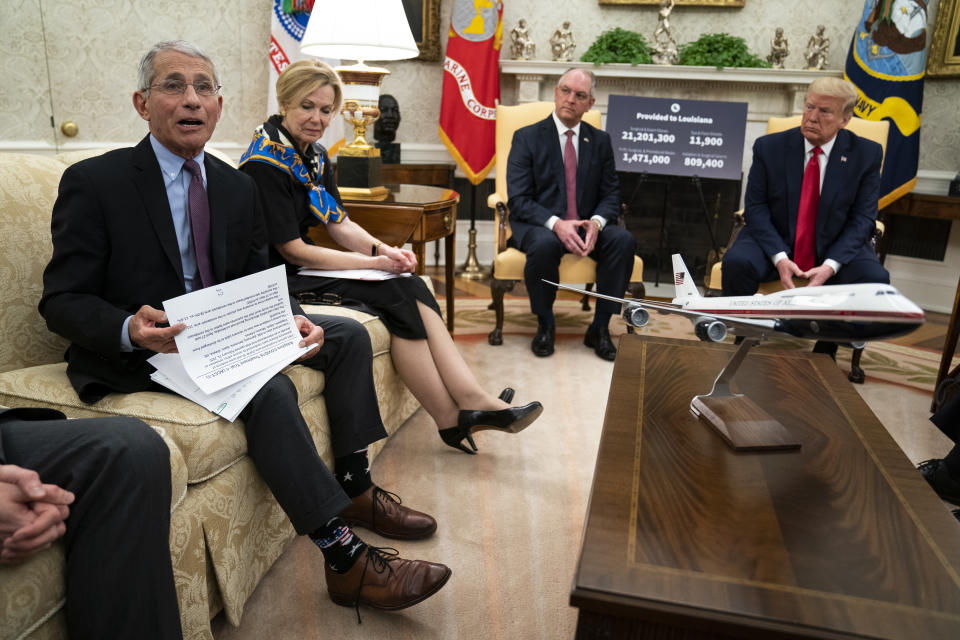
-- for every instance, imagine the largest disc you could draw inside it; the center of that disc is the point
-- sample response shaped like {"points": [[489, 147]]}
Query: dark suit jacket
{"points": [[848, 200], [535, 182], [115, 249]]}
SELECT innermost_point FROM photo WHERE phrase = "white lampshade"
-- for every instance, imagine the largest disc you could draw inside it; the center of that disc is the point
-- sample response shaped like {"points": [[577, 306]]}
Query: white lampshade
{"points": [[359, 30]]}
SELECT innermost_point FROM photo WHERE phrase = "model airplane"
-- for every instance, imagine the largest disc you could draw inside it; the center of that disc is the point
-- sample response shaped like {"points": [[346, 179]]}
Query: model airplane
{"points": [[839, 313]]}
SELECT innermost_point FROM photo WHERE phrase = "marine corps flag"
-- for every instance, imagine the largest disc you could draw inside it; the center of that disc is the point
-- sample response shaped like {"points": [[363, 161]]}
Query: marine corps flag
{"points": [[288, 21], [886, 63], [471, 85]]}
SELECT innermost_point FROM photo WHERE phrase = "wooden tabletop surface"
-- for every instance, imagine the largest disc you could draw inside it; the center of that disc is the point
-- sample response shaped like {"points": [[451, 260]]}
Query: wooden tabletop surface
{"points": [[842, 538]]}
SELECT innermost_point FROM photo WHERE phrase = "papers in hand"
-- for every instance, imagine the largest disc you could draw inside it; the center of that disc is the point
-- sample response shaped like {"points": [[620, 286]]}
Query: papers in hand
{"points": [[239, 334], [352, 274]]}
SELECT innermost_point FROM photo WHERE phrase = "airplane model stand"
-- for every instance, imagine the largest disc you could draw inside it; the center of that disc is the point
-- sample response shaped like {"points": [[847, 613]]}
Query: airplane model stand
{"points": [[736, 418]]}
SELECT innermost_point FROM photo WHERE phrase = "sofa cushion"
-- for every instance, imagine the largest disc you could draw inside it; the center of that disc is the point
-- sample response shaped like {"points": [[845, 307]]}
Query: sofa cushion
{"points": [[207, 442], [509, 265], [28, 188], [32, 592]]}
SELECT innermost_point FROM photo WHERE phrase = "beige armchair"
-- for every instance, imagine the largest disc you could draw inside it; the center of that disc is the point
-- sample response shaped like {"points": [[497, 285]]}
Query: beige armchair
{"points": [[509, 262], [876, 130]]}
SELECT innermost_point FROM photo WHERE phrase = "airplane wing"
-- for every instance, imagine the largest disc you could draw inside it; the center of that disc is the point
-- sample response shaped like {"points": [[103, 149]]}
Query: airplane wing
{"points": [[742, 326]]}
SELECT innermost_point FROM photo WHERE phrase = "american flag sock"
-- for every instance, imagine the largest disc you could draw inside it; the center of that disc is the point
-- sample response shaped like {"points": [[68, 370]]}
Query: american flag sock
{"points": [[339, 545], [353, 473]]}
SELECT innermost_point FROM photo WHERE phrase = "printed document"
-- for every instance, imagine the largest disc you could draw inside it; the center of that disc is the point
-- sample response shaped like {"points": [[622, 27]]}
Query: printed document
{"points": [[235, 331], [352, 274]]}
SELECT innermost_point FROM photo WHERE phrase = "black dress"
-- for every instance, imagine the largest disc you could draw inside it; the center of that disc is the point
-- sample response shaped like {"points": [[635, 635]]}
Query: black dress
{"points": [[285, 207]]}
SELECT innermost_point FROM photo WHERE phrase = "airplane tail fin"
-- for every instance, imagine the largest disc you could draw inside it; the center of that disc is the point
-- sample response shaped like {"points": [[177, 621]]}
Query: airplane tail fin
{"points": [[685, 288]]}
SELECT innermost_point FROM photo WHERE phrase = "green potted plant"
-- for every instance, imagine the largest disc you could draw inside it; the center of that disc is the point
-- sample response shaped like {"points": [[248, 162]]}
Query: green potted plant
{"points": [[719, 50], [618, 45]]}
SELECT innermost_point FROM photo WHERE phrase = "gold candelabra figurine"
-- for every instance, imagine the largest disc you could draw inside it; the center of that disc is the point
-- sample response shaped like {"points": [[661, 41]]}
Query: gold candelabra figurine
{"points": [[360, 117]]}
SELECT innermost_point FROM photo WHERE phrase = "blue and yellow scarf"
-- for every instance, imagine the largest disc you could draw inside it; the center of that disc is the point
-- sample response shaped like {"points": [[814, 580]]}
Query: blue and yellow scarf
{"points": [[284, 157]]}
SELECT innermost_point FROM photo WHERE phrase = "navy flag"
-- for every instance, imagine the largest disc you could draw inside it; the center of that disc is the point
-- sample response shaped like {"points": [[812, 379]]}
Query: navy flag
{"points": [[886, 64]]}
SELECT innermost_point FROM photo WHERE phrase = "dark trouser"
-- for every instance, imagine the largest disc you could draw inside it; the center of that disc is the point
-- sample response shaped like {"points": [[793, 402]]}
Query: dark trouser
{"points": [[745, 266], [119, 576], [947, 419], [613, 253], [279, 441]]}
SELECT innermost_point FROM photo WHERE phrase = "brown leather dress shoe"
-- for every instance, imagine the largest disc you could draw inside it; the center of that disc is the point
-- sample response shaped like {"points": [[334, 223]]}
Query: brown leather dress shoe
{"points": [[383, 580], [382, 512]]}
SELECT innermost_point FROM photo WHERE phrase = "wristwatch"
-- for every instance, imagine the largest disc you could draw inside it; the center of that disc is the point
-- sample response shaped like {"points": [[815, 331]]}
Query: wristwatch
{"points": [[376, 247]]}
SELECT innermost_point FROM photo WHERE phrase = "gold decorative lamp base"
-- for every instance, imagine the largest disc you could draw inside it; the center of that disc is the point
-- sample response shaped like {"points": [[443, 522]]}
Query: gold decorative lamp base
{"points": [[471, 269]]}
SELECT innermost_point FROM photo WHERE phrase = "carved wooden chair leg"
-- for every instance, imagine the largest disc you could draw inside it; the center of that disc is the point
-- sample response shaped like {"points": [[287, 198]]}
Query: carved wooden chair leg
{"points": [[637, 290], [497, 289], [585, 300], [856, 374]]}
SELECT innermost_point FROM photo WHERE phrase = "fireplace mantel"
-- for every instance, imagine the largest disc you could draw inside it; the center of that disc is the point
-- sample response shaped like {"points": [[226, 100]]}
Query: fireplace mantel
{"points": [[768, 92]]}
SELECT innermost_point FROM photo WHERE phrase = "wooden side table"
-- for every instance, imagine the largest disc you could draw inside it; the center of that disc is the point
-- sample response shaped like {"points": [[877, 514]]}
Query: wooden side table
{"points": [[410, 213], [435, 174]]}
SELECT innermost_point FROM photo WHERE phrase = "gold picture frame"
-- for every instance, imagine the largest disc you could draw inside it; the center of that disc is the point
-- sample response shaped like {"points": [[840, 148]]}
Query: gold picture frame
{"points": [[943, 59], [689, 3], [424, 19]]}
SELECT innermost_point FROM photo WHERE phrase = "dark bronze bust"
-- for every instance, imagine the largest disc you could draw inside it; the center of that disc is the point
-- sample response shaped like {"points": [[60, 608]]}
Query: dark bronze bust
{"points": [[385, 129]]}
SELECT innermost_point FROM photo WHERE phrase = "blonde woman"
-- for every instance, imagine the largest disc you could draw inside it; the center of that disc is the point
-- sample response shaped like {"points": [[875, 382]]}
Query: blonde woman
{"points": [[295, 181]]}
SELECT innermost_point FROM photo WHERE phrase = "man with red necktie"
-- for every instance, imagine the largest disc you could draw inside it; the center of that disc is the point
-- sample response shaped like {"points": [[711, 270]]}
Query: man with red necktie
{"points": [[564, 197], [811, 202]]}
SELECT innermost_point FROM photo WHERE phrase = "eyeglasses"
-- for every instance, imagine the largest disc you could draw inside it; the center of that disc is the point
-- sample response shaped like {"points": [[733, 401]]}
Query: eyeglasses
{"points": [[580, 96], [179, 87]]}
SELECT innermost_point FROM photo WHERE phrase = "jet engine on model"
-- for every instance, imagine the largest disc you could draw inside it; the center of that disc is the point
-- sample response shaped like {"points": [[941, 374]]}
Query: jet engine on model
{"points": [[710, 330], [635, 315]]}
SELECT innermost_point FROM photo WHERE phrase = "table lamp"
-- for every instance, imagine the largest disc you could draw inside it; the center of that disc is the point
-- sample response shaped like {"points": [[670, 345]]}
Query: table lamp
{"points": [[359, 30]]}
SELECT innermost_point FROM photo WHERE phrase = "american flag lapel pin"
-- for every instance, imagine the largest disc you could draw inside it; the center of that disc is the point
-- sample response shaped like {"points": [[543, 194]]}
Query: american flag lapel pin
{"points": [[843, 158], [586, 139]]}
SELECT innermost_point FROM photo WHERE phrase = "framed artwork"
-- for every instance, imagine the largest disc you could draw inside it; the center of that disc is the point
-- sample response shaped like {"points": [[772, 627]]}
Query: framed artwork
{"points": [[424, 19], [690, 3], [943, 59]]}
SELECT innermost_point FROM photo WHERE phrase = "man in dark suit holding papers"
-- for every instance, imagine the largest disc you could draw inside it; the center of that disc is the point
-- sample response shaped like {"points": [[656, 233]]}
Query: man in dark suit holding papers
{"points": [[134, 227], [564, 197]]}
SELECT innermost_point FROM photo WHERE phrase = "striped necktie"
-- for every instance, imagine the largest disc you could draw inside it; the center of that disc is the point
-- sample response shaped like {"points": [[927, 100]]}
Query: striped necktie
{"points": [[199, 224]]}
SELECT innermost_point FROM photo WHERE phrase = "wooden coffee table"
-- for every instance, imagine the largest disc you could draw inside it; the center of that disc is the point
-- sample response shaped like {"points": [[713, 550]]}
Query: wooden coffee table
{"points": [[685, 538]]}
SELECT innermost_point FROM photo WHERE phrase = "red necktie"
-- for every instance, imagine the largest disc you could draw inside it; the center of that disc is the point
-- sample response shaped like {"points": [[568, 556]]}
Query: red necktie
{"points": [[199, 223], [570, 175], [805, 245]]}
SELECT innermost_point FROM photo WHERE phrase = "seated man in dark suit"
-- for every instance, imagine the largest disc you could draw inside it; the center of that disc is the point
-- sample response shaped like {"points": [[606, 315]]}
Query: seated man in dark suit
{"points": [[103, 485], [943, 474], [137, 226], [564, 196], [811, 202]]}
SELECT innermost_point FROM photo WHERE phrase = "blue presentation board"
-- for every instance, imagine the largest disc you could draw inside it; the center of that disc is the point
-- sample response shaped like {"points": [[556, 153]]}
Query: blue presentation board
{"points": [[677, 137]]}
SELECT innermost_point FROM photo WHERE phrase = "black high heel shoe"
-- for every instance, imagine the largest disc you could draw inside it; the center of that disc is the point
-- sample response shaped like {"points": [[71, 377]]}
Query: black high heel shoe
{"points": [[511, 420], [506, 395]]}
